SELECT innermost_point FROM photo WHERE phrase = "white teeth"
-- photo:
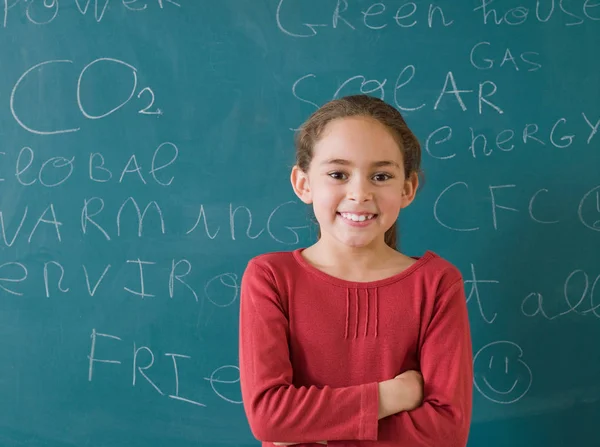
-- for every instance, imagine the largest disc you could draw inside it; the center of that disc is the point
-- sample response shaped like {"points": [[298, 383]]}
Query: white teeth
{"points": [[357, 217]]}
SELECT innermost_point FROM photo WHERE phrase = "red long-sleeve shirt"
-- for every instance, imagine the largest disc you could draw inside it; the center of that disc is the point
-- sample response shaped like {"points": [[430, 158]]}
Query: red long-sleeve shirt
{"points": [[313, 347]]}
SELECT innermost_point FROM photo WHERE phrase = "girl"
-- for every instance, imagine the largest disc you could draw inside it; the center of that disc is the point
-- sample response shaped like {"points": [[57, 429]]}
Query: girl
{"points": [[349, 340]]}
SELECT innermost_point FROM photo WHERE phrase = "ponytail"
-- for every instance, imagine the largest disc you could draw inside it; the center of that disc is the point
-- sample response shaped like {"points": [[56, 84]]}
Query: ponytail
{"points": [[391, 237]]}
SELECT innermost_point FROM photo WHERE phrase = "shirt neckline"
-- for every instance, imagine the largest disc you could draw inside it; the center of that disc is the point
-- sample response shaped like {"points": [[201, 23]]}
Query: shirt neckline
{"points": [[420, 261]]}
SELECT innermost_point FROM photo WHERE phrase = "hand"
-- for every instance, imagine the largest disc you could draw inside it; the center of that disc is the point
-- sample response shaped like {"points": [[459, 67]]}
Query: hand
{"points": [[402, 393], [412, 389]]}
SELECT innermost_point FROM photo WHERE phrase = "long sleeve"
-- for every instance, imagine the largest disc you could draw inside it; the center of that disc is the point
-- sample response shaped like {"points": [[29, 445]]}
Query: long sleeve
{"points": [[278, 411], [447, 368]]}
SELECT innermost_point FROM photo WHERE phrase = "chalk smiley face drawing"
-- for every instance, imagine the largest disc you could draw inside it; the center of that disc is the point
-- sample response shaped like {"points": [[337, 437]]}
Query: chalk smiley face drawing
{"points": [[500, 374]]}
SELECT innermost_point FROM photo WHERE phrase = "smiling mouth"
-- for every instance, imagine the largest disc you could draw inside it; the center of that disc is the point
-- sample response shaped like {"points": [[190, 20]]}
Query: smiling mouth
{"points": [[352, 217], [501, 392]]}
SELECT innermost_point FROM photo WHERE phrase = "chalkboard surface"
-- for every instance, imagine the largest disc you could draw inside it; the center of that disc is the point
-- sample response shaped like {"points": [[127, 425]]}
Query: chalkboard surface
{"points": [[144, 159]]}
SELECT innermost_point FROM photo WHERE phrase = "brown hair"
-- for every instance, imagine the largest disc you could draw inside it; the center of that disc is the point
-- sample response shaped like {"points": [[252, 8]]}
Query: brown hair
{"points": [[367, 106]]}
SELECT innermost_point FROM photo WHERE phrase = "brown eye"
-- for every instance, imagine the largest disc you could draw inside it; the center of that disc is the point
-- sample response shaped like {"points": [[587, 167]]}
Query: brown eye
{"points": [[337, 175], [382, 177]]}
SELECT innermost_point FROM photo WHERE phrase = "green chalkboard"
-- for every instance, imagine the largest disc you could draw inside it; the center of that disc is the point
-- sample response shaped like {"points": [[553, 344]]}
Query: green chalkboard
{"points": [[145, 148]]}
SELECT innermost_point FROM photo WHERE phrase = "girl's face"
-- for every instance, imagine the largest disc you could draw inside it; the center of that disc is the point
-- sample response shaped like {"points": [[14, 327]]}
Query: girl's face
{"points": [[355, 182]]}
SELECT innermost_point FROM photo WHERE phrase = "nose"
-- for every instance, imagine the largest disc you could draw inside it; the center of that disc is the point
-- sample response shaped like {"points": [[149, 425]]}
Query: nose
{"points": [[360, 190]]}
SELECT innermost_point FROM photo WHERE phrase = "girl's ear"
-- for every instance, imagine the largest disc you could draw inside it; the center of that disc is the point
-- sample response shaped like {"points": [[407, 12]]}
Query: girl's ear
{"points": [[409, 190], [300, 184]]}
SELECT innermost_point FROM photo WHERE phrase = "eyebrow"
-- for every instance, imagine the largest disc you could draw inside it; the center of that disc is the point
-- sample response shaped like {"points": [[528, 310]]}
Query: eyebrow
{"points": [[375, 164]]}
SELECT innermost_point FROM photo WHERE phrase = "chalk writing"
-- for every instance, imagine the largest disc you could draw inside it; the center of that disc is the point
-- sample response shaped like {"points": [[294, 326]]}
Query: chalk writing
{"points": [[500, 373], [148, 109], [230, 281], [592, 197], [176, 395], [474, 293], [92, 356], [106, 60], [141, 293], [142, 361], [48, 8], [142, 218], [232, 221], [221, 290], [202, 216], [9, 242], [53, 164], [236, 213], [173, 277], [450, 92], [290, 229], [99, 172], [92, 290], [484, 56], [533, 304], [99, 7], [15, 278], [534, 215], [377, 16], [499, 196], [36, 68], [137, 368], [140, 369], [225, 386], [491, 14], [141, 215], [42, 219], [60, 278], [560, 134], [82, 103], [88, 217], [43, 12]]}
